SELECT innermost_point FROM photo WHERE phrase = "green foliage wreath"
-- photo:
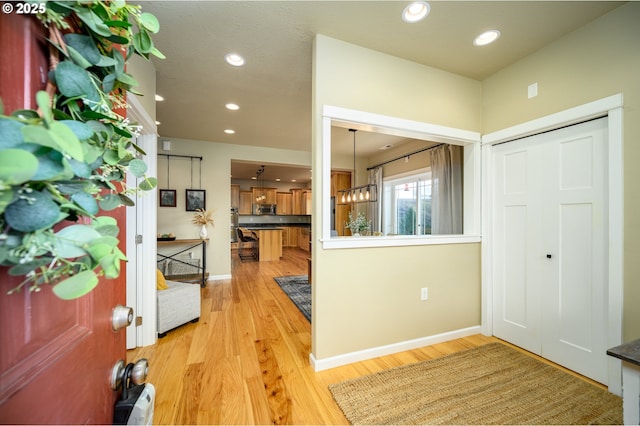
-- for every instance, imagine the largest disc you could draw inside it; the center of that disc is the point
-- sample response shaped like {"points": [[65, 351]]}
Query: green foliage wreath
{"points": [[68, 159]]}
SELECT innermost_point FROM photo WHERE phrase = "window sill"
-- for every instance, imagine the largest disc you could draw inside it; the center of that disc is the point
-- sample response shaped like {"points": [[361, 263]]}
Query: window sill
{"points": [[396, 241]]}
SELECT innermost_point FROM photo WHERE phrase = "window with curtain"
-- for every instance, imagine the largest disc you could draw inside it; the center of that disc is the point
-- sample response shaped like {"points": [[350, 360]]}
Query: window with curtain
{"points": [[407, 204]]}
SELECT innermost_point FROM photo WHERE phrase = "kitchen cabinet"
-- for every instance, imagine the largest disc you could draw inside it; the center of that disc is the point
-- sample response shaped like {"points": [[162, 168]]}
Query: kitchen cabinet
{"points": [[235, 196], [290, 236], [301, 201], [340, 180], [303, 239], [283, 201], [269, 193], [246, 200]]}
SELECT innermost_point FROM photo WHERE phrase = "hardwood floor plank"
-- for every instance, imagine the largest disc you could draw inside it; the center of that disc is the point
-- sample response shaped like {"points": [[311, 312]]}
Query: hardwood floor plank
{"points": [[247, 360]]}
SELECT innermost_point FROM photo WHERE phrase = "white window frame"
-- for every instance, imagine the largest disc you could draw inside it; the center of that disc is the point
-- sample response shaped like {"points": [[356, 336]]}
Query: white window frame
{"points": [[412, 176], [360, 120]]}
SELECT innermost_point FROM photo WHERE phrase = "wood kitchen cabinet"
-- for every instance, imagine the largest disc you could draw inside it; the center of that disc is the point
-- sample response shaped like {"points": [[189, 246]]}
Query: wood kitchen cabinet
{"points": [[269, 193], [340, 180], [235, 196], [284, 203], [301, 201], [246, 200]]}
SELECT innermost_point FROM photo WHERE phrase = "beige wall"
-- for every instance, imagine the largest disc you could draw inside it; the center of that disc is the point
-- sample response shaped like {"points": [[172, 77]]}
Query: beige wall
{"points": [[593, 62], [216, 172], [145, 73], [366, 298]]}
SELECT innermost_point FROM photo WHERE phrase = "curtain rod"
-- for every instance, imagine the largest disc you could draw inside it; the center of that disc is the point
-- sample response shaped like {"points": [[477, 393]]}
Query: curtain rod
{"points": [[405, 156], [181, 156]]}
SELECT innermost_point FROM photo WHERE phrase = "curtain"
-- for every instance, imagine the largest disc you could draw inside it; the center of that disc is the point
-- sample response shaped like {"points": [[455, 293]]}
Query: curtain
{"points": [[374, 209], [446, 190]]}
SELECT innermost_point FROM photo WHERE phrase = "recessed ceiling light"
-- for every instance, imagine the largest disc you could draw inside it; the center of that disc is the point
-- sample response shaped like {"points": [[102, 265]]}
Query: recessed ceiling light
{"points": [[387, 146], [234, 59], [486, 38], [254, 178], [157, 123], [416, 11], [159, 98], [232, 107], [229, 131], [277, 179], [293, 180]]}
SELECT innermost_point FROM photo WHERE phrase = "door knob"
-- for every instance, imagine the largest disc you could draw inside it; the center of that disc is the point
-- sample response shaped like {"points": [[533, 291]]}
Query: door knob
{"points": [[121, 317], [116, 375], [122, 375], [139, 371], [548, 256]]}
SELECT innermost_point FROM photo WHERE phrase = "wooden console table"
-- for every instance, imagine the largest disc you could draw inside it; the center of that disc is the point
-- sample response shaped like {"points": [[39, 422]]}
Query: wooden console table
{"points": [[187, 245]]}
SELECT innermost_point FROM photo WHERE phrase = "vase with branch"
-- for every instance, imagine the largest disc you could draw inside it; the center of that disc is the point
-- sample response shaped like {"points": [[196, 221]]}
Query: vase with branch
{"points": [[203, 218]]}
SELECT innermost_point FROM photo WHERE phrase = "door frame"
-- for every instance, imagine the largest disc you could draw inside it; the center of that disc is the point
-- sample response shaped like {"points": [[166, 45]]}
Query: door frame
{"points": [[141, 270], [612, 107]]}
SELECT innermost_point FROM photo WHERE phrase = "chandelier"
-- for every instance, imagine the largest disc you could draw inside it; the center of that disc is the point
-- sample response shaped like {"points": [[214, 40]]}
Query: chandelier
{"points": [[357, 194]]}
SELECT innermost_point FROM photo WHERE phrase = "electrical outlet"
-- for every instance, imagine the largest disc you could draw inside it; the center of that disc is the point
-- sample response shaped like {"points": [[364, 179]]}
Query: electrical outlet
{"points": [[424, 293]]}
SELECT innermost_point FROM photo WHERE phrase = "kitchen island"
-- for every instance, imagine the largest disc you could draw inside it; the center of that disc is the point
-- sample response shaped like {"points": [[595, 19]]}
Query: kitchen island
{"points": [[270, 243]]}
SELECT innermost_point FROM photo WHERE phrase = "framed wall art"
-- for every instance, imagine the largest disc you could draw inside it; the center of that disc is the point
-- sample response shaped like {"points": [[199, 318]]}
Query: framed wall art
{"points": [[167, 197], [196, 199]]}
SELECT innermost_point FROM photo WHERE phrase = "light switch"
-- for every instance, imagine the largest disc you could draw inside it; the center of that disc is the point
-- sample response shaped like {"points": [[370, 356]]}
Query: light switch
{"points": [[532, 90]]}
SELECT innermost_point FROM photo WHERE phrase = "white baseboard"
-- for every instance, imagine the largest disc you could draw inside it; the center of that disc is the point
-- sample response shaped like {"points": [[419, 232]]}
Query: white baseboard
{"points": [[219, 277], [344, 359]]}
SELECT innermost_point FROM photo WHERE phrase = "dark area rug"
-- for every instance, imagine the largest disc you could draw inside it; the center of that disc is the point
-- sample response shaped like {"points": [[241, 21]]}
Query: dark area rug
{"points": [[298, 289]]}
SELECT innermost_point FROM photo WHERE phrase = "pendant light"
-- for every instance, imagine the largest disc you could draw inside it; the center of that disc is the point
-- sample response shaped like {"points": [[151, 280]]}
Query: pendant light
{"points": [[357, 194]]}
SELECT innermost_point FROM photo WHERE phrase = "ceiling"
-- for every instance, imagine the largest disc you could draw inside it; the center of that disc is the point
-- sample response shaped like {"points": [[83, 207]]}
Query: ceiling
{"points": [[273, 89]]}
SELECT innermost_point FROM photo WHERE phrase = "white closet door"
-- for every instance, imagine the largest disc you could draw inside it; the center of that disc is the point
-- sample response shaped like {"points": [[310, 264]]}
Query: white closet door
{"points": [[550, 246]]}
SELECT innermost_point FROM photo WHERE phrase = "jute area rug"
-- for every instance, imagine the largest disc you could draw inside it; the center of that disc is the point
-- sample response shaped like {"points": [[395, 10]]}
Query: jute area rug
{"points": [[490, 384]]}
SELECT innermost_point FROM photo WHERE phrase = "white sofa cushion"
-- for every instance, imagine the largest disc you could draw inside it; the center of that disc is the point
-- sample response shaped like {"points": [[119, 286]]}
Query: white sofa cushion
{"points": [[177, 305]]}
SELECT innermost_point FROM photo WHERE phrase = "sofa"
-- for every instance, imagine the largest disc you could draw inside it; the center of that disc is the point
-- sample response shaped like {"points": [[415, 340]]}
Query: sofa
{"points": [[178, 304]]}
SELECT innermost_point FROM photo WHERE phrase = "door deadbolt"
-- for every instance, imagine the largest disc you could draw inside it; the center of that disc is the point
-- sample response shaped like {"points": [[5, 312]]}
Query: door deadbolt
{"points": [[121, 317]]}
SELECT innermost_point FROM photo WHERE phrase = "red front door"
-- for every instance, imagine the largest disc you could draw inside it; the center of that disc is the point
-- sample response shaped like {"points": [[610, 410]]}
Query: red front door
{"points": [[55, 356]]}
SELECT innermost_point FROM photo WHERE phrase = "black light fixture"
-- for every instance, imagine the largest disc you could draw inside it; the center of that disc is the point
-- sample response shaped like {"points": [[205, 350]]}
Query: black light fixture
{"points": [[260, 197], [357, 194]]}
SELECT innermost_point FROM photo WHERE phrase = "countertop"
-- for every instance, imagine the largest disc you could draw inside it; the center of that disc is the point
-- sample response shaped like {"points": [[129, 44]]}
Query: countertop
{"points": [[629, 352]]}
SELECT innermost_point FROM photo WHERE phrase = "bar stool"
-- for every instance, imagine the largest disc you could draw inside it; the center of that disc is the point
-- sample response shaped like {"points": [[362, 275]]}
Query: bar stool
{"points": [[247, 246]]}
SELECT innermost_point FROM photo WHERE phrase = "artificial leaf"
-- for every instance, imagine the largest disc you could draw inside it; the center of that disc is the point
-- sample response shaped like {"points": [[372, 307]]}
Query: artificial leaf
{"points": [[17, 166], [80, 129], [108, 83], [106, 61], [80, 168], [5, 199], [148, 184], [66, 139], [126, 200], [138, 167], [98, 251], [26, 267], [118, 24], [110, 202], [69, 241], [10, 134], [49, 167], [86, 201], [110, 264], [127, 79], [44, 104], [93, 21], [77, 58], [76, 286], [73, 81], [150, 22], [142, 41], [158, 54], [35, 212]]}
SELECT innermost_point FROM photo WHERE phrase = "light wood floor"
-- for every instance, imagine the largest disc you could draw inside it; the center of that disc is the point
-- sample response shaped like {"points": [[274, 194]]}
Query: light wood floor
{"points": [[247, 360]]}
